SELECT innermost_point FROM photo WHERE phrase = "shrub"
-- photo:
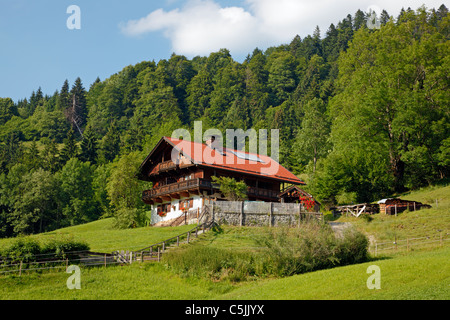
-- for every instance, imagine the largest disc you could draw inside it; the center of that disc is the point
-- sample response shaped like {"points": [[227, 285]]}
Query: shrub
{"points": [[352, 247], [213, 263], [29, 250], [64, 247], [23, 249], [286, 251]]}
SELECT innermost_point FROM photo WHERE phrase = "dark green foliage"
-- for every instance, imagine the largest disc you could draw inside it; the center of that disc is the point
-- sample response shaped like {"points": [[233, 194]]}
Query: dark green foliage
{"points": [[283, 252], [362, 113], [28, 249], [89, 148], [23, 249], [63, 247]]}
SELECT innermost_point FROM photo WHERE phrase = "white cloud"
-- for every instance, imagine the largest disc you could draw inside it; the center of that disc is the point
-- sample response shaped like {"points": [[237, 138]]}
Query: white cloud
{"points": [[204, 26]]}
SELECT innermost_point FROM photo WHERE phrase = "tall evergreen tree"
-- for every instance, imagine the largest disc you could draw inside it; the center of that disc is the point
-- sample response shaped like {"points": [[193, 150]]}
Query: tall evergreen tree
{"points": [[88, 147], [70, 149], [77, 111], [64, 97]]}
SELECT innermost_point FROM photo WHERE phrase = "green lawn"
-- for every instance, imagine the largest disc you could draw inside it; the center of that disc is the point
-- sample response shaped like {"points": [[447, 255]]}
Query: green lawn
{"points": [[417, 274], [410, 224], [420, 276], [102, 237]]}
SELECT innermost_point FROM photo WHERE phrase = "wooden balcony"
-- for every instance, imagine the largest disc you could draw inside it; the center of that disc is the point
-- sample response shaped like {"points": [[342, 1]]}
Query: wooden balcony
{"points": [[173, 188], [264, 193], [178, 189], [167, 165]]}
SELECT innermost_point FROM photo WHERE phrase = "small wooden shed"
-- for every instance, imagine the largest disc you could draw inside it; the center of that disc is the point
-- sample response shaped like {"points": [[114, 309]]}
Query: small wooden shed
{"points": [[396, 205], [293, 194]]}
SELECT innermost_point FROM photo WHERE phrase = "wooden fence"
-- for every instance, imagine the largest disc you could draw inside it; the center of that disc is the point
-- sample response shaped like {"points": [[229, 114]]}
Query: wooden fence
{"points": [[409, 244], [51, 261], [154, 251], [88, 258]]}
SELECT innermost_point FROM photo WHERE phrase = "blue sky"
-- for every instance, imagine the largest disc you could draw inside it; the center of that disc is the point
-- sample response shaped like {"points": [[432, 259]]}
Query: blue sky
{"points": [[37, 49]]}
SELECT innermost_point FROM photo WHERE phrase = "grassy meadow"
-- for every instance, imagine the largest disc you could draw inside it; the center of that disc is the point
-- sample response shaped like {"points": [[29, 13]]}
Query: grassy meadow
{"points": [[419, 274]]}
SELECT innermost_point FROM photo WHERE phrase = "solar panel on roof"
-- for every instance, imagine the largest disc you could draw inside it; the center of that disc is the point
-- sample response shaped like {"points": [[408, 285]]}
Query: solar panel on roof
{"points": [[246, 156]]}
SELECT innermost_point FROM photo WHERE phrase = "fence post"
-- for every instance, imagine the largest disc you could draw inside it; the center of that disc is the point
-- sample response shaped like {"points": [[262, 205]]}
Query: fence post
{"points": [[178, 241], [376, 248], [159, 254], [241, 213], [395, 210], [270, 215], [20, 268], [105, 259], [188, 234]]}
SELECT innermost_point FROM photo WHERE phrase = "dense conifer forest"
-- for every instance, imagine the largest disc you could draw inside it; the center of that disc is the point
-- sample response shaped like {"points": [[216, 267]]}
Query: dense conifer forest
{"points": [[363, 113]]}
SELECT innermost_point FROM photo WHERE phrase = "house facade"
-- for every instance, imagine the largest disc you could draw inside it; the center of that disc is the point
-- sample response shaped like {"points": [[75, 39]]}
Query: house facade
{"points": [[181, 172]]}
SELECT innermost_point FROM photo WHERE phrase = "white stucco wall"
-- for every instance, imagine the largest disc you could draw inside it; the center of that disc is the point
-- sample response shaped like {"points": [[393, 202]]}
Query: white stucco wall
{"points": [[173, 213]]}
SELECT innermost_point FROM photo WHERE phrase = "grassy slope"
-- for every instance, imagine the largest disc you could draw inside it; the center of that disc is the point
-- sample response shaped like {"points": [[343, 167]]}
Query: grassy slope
{"points": [[421, 223], [417, 275], [422, 276], [102, 237]]}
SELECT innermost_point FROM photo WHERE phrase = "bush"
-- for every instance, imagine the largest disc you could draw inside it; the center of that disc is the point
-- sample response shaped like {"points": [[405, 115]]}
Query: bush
{"points": [[352, 248], [30, 250], [63, 248], [23, 249], [311, 247], [214, 263], [286, 251]]}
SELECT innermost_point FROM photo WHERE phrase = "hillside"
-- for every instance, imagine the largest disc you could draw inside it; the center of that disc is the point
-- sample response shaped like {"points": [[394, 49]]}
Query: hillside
{"points": [[71, 158], [399, 271]]}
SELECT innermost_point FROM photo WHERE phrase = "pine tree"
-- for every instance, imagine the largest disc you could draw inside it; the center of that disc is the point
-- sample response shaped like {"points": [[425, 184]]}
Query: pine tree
{"points": [[70, 149], [77, 112], [64, 97], [50, 157], [110, 145], [88, 147]]}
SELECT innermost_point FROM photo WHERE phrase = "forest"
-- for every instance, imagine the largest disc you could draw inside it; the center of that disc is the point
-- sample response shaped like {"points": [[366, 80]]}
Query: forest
{"points": [[363, 113]]}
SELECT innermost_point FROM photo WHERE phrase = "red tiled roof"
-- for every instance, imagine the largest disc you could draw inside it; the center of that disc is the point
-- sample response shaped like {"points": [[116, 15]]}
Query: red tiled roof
{"points": [[202, 154]]}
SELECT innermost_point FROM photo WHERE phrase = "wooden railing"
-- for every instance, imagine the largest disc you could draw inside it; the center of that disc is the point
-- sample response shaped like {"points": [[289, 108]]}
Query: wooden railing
{"points": [[167, 165], [262, 192], [154, 251], [177, 187], [201, 183]]}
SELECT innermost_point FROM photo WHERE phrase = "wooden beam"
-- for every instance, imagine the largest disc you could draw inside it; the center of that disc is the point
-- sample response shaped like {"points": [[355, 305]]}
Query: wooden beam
{"points": [[175, 195], [184, 194], [158, 200], [166, 198]]}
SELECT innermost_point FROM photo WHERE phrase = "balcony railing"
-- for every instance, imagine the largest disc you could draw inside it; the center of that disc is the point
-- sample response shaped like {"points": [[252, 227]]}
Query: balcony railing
{"points": [[201, 183], [166, 165], [178, 187], [258, 192]]}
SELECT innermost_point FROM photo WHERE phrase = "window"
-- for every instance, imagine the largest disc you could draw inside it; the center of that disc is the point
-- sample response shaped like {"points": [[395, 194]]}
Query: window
{"points": [[186, 204]]}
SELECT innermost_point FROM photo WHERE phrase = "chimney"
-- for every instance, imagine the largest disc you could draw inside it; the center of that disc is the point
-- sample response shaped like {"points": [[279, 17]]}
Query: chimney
{"points": [[210, 142]]}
